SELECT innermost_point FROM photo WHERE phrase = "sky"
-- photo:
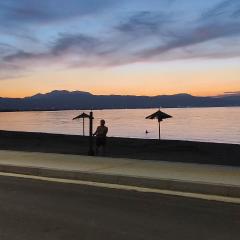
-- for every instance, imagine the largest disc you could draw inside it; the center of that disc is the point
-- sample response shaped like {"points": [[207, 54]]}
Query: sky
{"points": [[141, 47]]}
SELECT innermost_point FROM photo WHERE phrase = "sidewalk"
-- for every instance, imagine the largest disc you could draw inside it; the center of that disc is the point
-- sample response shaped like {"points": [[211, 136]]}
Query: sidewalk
{"points": [[196, 178]]}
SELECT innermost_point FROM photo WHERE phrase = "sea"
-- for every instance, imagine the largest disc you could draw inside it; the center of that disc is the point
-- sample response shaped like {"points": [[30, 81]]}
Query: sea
{"points": [[221, 125]]}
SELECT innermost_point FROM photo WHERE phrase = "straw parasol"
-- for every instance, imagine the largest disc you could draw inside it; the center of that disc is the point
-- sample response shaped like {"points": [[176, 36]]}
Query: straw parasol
{"points": [[83, 116], [159, 115], [90, 117]]}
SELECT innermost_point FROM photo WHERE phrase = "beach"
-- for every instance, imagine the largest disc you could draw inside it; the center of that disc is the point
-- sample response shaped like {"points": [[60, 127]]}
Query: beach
{"points": [[142, 149]]}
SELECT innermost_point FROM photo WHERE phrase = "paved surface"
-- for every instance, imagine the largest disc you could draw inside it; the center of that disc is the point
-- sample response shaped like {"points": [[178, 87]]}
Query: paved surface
{"points": [[31, 209], [125, 167], [148, 149]]}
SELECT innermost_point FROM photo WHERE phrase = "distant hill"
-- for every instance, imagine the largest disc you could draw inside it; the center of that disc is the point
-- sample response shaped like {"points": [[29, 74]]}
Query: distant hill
{"points": [[63, 100]]}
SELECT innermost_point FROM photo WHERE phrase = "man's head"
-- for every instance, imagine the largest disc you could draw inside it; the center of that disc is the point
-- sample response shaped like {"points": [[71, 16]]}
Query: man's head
{"points": [[102, 122]]}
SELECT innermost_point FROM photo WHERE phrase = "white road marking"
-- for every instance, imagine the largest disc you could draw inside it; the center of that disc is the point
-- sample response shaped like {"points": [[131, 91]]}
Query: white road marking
{"points": [[128, 188]]}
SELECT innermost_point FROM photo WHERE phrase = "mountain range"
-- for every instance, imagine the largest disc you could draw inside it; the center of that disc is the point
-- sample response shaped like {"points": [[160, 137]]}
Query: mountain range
{"points": [[65, 100]]}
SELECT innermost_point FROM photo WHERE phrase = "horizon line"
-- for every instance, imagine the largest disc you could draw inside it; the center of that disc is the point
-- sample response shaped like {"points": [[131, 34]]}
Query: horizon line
{"points": [[227, 93]]}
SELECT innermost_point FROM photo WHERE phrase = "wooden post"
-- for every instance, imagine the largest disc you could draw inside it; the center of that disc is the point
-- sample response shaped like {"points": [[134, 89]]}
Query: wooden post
{"points": [[159, 128], [83, 128], [91, 152]]}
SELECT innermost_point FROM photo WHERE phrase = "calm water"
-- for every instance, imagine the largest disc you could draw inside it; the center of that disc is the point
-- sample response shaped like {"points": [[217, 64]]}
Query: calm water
{"points": [[198, 124]]}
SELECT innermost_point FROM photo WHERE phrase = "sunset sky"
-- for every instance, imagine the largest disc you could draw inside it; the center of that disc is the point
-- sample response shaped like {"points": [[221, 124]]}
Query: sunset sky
{"points": [[142, 47]]}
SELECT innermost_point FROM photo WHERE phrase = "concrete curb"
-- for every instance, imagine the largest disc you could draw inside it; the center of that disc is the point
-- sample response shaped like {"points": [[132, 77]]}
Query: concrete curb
{"points": [[163, 184]]}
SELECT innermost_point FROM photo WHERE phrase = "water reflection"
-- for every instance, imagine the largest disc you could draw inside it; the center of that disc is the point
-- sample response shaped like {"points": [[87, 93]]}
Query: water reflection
{"points": [[200, 124]]}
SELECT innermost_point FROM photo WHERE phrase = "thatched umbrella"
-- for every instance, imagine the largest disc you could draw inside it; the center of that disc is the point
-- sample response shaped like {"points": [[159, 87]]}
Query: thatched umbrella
{"points": [[83, 116], [159, 115], [90, 117]]}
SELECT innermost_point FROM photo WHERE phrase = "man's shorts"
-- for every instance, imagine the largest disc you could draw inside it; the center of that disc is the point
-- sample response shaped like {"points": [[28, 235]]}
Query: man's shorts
{"points": [[101, 141]]}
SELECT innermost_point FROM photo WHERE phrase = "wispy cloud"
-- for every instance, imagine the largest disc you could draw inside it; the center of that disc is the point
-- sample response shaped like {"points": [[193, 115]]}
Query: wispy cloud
{"points": [[134, 36], [223, 10], [37, 12], [144, 23], [215, 23]]}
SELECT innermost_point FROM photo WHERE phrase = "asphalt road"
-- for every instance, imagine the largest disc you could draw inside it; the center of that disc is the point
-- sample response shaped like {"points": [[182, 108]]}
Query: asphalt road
{"points": [[32, 210]]}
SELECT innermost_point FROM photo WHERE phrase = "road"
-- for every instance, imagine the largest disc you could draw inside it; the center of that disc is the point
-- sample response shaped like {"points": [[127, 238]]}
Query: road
{"points": [[33, 209]]}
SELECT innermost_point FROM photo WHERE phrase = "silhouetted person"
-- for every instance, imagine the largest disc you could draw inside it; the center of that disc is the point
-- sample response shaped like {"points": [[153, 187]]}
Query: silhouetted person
{"points": [[101, 134]]}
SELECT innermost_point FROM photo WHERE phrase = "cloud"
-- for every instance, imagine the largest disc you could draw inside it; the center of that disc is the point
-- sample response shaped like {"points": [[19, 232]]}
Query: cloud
{"points": [[25, 19], [80, 43], [223, 10], [35, 11], [230, 94], [143, 23], [135, 36], [218, 22], [5, 49], [235, 92], [67, 49], [10, 70]]}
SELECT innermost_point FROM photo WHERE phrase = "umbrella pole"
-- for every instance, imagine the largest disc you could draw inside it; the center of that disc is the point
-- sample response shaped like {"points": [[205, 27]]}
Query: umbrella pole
{"points": [[159, 130], [83, 128], [91, 152]]}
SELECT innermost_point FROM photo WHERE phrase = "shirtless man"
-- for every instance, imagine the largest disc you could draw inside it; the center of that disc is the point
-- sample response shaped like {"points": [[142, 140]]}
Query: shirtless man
{"points": [[101, 134]]}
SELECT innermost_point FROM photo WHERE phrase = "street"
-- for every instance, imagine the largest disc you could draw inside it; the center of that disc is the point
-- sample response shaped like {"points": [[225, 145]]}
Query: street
{"points": [[33, 209]]}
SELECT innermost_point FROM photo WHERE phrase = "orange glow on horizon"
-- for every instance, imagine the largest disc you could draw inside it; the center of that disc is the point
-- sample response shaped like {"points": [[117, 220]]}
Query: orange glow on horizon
{"points": [[22, 94], [149, 80]]}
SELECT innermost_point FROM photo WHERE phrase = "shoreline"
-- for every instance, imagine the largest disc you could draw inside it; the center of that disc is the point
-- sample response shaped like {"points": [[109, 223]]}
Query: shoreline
{"points": [[142, 149], [87, 109], [96, 109]]}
